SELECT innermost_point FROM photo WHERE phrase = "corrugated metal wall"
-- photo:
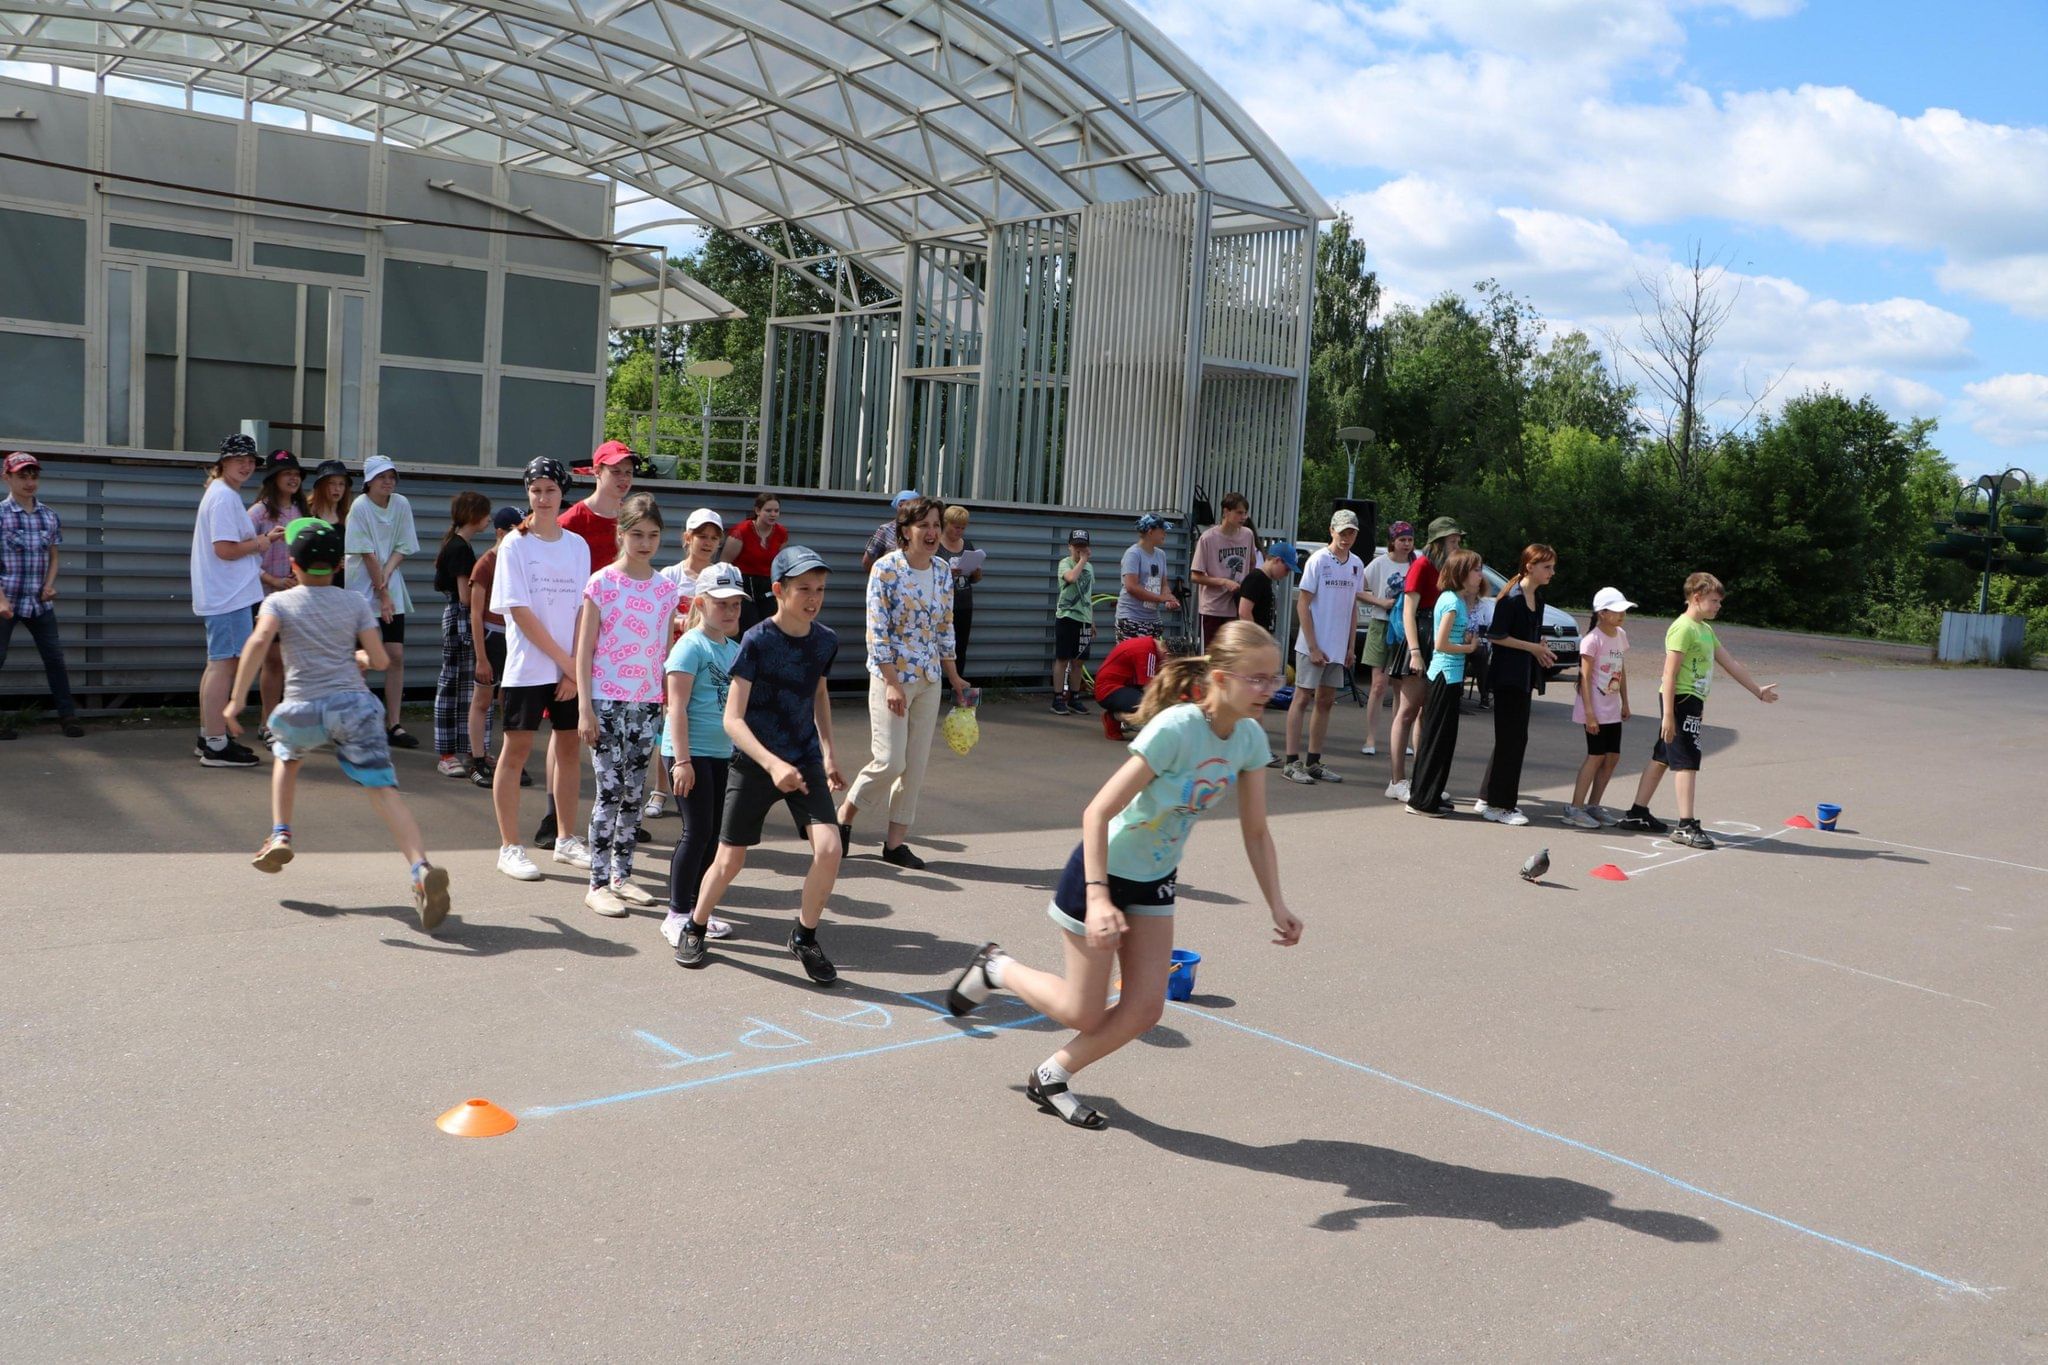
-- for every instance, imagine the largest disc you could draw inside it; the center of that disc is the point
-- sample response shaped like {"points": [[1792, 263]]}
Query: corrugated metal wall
{"points": [[125, 600]]}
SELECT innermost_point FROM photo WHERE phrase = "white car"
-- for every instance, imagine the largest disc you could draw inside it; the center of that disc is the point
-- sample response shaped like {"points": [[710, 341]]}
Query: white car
{"points": [[1560, 632]]}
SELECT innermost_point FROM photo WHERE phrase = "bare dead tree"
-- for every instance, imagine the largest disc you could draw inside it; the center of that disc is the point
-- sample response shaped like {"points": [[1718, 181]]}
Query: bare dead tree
{"points": [[1679, 316]]}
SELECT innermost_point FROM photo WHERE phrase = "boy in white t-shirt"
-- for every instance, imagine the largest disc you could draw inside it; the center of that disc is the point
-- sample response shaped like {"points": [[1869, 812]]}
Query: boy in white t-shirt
{"points": [[538, 588], [1326, 604]]}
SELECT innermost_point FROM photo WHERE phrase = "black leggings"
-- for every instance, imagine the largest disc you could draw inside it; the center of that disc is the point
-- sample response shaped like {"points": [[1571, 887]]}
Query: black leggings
{"points": [[1436, 742], [1502, 785], [963, 626], [702, 811]]}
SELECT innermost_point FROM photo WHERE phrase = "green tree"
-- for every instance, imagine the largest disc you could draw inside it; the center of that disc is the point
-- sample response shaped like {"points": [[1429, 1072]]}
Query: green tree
{"points": [[1570, 385], [1344, 337]]}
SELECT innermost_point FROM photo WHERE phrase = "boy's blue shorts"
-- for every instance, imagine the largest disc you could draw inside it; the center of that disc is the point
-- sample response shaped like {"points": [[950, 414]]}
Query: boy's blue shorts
{"points": [[353, 722]]}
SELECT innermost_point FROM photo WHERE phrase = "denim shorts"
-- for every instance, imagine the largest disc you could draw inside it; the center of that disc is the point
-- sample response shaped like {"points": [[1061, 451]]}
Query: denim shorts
{"points": [[228, 632], [353, 722], [1069, 906]]}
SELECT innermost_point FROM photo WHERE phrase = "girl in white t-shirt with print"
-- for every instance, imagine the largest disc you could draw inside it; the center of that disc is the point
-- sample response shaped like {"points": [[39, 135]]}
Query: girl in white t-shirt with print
{"points": [[621, 640], [1201, 737], [1601, 706]]}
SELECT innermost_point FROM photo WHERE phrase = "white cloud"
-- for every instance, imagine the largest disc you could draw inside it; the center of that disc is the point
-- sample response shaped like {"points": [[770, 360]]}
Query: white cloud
{"points": [[2018, 282], [2008, 409]]}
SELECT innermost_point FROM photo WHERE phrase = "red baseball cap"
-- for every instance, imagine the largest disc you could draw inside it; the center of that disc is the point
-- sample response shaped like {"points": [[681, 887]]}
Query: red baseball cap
{"points": [[21, 460], [611, 452]]}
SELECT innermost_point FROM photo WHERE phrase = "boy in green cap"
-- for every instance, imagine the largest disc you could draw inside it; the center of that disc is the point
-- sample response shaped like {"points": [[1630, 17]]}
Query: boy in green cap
{"points": [[329, 636]]}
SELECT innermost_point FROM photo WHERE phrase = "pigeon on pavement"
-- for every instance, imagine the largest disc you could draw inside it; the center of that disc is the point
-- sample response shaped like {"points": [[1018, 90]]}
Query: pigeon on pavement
{"points": [[1534, 869]]}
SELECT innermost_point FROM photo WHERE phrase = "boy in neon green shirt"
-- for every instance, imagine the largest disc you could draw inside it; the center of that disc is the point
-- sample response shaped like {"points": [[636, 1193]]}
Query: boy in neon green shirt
{"points": [[1691, 650]]}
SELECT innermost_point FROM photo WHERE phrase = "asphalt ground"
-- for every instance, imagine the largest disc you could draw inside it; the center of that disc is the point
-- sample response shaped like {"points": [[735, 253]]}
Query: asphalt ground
{"points": [[1778, 1101]]}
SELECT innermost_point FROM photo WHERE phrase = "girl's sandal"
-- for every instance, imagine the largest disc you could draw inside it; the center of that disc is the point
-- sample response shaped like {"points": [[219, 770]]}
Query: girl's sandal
{"points": [[1041, 1095]]}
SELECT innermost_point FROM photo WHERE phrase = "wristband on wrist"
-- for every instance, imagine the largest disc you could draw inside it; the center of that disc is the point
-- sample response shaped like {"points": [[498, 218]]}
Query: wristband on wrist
{"points": [[1095, 883]]}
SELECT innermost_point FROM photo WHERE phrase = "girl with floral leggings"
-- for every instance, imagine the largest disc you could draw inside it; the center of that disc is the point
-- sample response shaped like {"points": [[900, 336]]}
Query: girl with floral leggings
{"points": [[621, 639]]}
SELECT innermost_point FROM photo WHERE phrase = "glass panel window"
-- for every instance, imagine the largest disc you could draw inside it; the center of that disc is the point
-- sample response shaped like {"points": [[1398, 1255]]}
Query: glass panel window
{"points": [[42, 267], [434, 312], [165, 242], [120, 364]]}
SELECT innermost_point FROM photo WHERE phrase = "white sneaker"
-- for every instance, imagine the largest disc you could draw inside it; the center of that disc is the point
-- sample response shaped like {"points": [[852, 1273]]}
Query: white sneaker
{"points": [[1411, 751], [1580, 818], [1604, 816], [1480, 808], [1369, 750], [1398, 791], [513, 862], [452, 767], [717, 928], [573, 851], [602, 900], [654, 809], [1514, 817], [634, 895]]}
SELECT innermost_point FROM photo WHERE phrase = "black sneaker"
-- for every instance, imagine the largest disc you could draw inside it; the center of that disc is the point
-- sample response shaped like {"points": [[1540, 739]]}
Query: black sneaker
{"points": [[1076, 705], [901, 856], [1640, 821], [481, 773], [525, 778], [816, 965], [229, 755], [641, 834], [544, 837], [1059, 705], [71, 728], [1692, 836], [690, 947]]}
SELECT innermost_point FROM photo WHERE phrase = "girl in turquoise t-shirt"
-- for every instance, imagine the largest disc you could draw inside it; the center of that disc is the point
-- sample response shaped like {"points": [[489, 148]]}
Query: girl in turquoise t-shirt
{"points": [[1199, 735], [699, 672], [1437, 737]]}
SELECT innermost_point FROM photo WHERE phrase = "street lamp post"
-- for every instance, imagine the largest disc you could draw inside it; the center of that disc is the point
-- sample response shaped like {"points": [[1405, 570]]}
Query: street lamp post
{"points": [[709, 372], [1355, 440]]}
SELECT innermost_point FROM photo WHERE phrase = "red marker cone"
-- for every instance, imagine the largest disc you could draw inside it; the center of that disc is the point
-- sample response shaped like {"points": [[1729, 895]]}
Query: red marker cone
{"points": [[1608, 872], [476, 1118], [1799, 822]]}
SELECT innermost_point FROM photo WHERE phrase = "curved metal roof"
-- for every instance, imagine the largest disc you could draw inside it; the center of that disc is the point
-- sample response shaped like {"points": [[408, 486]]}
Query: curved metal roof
{"points": [[866, 122]]}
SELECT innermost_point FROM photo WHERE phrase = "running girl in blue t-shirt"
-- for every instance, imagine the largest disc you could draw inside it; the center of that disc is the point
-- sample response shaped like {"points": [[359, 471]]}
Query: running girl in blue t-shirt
{"points": [[699, 751], [1199, 734]]}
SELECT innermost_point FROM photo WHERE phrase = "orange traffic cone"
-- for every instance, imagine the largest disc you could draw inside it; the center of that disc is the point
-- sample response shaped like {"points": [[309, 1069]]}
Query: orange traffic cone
{"points": [[476, 1118], [1799, 822], [1608, 872]]}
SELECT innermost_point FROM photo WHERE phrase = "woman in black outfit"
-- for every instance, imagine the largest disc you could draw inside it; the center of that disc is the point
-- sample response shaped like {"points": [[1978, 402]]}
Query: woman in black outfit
{"points": [[1514, 672]]}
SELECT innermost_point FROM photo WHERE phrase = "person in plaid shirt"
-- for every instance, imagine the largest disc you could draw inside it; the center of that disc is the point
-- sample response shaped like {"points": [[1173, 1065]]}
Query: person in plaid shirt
{"points": [[29, 536]]}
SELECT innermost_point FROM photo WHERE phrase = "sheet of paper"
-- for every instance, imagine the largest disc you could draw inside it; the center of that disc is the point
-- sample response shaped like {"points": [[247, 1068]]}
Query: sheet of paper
{"points": [[968, 561]]}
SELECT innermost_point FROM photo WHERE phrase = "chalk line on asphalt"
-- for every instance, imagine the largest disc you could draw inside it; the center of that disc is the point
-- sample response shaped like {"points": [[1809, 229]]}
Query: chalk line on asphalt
{"points": [[1843, 967]]}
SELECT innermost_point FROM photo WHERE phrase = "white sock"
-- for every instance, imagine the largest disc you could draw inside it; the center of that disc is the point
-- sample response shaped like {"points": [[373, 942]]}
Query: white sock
{"points": [[992, 969], [216, 742], [1051, 1072]]}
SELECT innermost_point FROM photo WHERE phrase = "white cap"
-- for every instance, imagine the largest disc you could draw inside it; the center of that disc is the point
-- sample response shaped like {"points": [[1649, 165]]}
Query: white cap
{"points": [[1610, 599], [720, 580], [375, 465], [701, 516]]}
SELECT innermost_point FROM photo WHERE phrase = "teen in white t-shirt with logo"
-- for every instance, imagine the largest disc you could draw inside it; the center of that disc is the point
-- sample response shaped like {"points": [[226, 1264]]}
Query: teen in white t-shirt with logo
{"points": [[538, 588], [1326, 604]]}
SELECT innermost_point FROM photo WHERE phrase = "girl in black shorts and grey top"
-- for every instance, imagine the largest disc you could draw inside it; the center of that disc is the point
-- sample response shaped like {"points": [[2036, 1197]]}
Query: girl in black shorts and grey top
{"points": [[1115, 899]]}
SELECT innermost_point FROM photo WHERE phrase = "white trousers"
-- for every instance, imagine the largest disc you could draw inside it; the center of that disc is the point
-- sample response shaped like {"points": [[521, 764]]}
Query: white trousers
{"points": [[902, 745]]}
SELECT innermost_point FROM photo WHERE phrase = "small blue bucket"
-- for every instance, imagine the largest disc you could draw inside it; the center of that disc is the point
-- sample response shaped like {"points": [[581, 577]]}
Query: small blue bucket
{"points": [[1180, 982], [1828, 814]]}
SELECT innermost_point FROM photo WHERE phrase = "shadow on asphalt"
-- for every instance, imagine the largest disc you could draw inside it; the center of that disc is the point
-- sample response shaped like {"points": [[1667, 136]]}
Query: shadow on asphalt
{"points": [[1396, 1184], [462, 939]]}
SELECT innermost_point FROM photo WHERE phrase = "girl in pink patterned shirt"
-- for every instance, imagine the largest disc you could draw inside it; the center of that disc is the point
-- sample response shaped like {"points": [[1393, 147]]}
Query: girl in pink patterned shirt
{"points": [[621, 638]]}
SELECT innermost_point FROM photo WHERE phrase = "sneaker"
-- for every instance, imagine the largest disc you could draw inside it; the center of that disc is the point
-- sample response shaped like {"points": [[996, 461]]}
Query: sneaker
{"points": [[655, 808], [672, 926], [1273, 762], [229, 755], [1511, 816], [1322, 773], [845, 837], [1077, 706], [571, 850], [398, 738], [1484, 811], [1439, 813], [1059, 705], [275, 853], [1411, 751], [634, 895], [73, 730], [452, 767], [1369, 750], [481, 774], [513, 862], [690, 943], [816, 965], [603, 900], [1398, 791], [1297, 771], [525, 778], [641, 835], [1692, 836], [544, 834], [717, 928], [1578, 817], [1603, 815], [430, 897], [1642, 822], [901, 856]]}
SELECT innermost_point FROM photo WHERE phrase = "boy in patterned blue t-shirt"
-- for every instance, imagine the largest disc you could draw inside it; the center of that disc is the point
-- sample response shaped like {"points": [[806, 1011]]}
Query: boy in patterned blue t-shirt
{"points": [[779, 716]]}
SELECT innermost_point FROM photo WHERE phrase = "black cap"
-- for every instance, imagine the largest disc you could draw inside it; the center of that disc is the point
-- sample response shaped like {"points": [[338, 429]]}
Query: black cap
{"points": [[238, 444], [316, 547], [505, 518]]}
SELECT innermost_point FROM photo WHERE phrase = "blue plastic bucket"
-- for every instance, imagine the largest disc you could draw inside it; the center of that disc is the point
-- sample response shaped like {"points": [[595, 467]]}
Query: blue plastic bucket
{"points": [[1180, 982], [1828, 814]]}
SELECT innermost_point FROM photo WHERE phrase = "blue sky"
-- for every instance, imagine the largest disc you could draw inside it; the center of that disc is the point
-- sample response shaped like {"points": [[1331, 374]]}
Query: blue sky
{"points": [[1874, 175]]}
